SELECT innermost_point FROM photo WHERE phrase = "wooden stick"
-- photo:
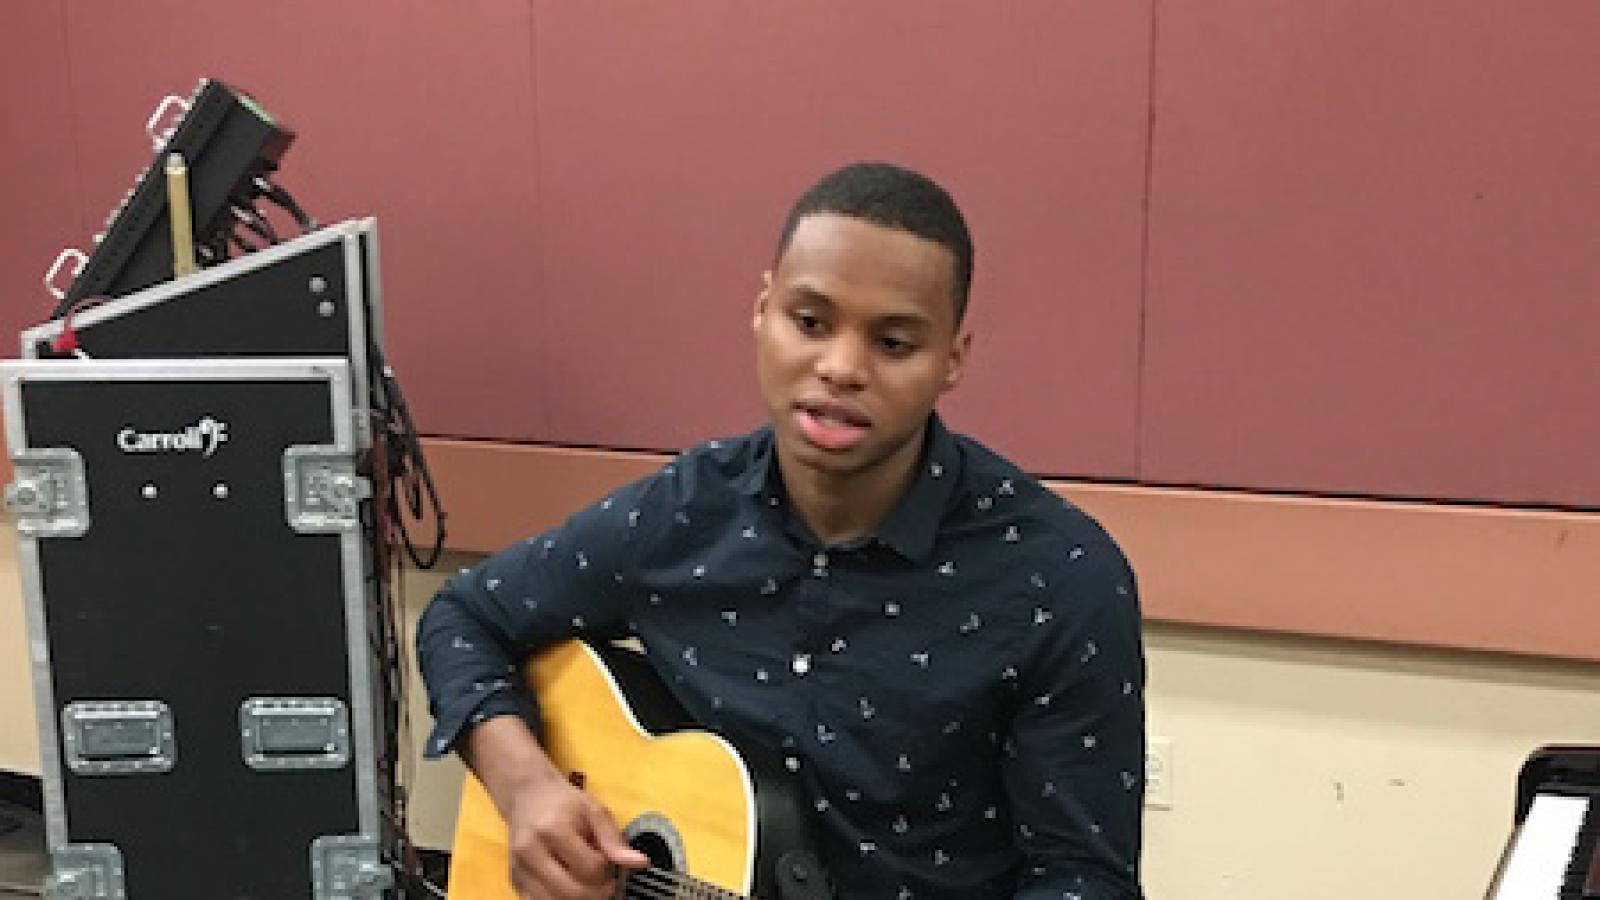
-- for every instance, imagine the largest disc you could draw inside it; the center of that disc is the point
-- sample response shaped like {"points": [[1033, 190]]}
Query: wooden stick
{"points": [[182, 218]]}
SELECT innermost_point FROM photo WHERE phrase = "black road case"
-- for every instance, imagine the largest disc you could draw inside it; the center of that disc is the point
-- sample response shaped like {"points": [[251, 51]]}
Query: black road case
{"points": [[203, 627], [316, 295]]}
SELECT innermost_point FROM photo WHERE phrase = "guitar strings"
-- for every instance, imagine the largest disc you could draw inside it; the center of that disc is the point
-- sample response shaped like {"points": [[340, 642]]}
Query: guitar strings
{"points": [[673, 876], [657, 893], [665, 883], [657, 882], [646, 892], [642, 891]]}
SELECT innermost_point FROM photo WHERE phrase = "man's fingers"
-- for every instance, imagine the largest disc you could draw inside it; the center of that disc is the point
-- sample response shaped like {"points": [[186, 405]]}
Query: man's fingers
{"points": [[575, 852], [609, 841], [544, 877], [569, 849], [554, 862]]}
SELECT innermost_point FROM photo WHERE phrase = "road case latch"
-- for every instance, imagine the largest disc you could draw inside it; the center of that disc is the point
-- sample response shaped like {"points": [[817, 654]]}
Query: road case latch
{"points": [[118, 737], [277, 733], [322, 490], [348, 867], [86, 872], [49, 495]]}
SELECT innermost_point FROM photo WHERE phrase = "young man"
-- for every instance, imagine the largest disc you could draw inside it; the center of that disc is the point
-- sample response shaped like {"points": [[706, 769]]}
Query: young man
{"points": [[944, 653]]}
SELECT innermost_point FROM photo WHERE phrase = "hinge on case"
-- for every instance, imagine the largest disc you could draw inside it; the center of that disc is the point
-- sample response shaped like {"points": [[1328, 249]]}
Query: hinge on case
{"points": [[322, 490], [348, 867], [86, 872], [49, 494]]}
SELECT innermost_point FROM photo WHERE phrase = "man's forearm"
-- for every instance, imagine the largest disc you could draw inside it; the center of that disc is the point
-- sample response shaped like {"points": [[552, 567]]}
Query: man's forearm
{"points": [[504, 754]]}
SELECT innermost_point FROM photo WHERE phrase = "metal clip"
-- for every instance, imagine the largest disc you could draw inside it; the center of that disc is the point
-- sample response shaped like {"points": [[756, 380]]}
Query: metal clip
{"points": [[322, 491], [348, 867], [86, 872], [81, 258], [50, 495], [158, 139]]}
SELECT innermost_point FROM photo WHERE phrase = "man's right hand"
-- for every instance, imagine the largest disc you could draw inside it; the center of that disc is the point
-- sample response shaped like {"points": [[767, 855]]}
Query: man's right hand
{"points": [[563, 843]]}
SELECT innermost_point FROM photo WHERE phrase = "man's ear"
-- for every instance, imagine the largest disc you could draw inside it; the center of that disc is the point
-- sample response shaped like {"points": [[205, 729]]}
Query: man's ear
{"points": [[959, 348], [761, 300]]}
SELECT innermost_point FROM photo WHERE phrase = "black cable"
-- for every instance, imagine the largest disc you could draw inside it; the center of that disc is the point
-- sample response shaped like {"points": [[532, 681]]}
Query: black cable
{"points": [[252, 219], [218, 246], [409, 472], [401, 851], [281, 196], [399, 466], [241, 243]]}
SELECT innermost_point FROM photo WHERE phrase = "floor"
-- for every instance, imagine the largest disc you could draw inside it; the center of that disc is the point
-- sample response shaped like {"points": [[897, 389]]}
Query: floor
{"points": [[23, 863]]}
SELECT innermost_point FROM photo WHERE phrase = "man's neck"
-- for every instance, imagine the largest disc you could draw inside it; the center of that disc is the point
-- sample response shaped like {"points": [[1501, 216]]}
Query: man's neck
{"points": [[839, 508]]}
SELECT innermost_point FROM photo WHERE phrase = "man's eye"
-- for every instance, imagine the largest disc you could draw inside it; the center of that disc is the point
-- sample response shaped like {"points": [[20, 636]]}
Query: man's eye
{"points": [[808, 323], [895, 346]]}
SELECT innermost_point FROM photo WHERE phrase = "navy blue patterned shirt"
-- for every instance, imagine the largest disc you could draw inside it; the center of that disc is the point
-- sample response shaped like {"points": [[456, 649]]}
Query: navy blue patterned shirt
{"points": [[960, 693]]}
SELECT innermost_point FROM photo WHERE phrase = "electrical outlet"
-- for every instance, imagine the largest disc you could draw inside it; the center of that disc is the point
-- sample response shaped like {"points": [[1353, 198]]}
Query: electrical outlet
{"points": [[1158, 773]]}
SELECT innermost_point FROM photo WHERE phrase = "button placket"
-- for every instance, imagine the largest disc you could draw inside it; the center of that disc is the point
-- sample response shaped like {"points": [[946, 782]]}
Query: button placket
{"points": [[816, 620]]}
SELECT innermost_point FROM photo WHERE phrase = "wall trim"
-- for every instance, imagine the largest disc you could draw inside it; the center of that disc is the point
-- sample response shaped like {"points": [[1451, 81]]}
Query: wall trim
{"points": [[1478, 578]]}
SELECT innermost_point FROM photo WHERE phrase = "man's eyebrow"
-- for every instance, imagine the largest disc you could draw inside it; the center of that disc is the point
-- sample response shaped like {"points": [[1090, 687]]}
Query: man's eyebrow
{"points": [[905, 320], [808, 294]]}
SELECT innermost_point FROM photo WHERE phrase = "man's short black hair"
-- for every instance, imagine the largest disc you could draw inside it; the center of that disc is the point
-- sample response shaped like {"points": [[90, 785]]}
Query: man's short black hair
{"points": [[895, 197]]}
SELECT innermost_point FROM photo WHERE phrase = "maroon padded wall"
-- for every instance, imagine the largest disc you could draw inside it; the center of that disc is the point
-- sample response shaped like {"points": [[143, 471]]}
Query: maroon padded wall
{"points": [[420, 113], [1327, 247], [1375, 249], [41, 188], [671, 148]]}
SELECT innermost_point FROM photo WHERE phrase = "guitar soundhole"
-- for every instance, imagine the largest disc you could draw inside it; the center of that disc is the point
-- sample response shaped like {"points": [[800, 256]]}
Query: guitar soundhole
{"points": [[655, 847], [655, 836]]}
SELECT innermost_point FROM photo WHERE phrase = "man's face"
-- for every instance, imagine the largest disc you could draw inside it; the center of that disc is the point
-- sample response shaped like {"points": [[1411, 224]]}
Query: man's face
{"points": [[855, 340]]}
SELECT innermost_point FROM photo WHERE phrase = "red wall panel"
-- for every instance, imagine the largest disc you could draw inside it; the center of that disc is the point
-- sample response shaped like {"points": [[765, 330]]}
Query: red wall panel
{"points": [[417, 112], [674, 137], [577, 200], [1373, 262], [1371, 225], [39, 183]]}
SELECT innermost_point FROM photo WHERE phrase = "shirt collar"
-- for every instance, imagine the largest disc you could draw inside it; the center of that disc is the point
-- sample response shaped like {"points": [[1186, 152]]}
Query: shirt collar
{"points": [[755, 480], [913, 525]]}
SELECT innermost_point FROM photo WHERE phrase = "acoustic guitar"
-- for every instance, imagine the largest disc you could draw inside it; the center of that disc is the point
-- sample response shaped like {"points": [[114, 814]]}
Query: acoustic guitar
{"points": [[713, 824]]}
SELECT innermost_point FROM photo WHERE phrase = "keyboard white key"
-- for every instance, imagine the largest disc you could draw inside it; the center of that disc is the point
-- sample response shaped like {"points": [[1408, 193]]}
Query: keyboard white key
{"points": [[1542, 848]]}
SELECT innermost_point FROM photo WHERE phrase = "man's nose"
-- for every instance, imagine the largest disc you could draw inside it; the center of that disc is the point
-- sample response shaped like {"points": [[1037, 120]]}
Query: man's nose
{"points": [[843, 362]]}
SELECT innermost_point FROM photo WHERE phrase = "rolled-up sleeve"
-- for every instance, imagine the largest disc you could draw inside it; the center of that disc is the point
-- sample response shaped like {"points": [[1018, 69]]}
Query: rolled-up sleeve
{"points": [[1074, 772], [571, 581]]}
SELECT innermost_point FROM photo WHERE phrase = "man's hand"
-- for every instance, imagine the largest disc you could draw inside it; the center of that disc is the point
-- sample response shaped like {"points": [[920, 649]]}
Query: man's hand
{"points": [[563, 843]]}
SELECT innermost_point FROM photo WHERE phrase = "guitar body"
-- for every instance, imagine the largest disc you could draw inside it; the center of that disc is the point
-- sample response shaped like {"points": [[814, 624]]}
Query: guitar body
{"points": [[685, 798]]}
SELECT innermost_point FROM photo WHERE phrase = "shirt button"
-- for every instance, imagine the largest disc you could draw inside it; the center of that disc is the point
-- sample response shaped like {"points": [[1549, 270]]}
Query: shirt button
{"points": [[801, 663], [820, 560]]}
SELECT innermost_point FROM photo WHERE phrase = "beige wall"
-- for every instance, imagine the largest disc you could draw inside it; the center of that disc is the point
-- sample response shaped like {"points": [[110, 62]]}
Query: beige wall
{"points": [[19, 742], [1319, 770], [1305, 768]]}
